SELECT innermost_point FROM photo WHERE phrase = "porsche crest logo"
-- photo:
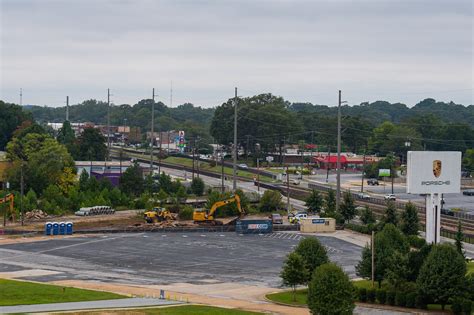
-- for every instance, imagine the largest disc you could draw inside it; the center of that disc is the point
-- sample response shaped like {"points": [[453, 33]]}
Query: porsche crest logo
{"points": [[436, 168]]}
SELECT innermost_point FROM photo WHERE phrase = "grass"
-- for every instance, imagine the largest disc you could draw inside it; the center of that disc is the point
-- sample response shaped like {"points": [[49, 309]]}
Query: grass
{"points": [[176, 310], [286, 297], [470, 267], [20, 293]]}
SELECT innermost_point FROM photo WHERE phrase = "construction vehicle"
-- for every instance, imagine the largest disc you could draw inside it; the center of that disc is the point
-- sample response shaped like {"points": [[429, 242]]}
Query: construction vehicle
{"points": [[9, 198], [158, 215], [207, 217]]}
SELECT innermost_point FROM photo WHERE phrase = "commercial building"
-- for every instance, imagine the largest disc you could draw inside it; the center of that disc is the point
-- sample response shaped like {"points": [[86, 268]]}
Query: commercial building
{"points": [[103, 169]]}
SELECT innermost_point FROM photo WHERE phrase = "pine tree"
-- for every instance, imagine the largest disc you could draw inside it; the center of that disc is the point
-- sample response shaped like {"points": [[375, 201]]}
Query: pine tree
{"points": [[459, 238], [410, 222], [367, 216], [347, 208], [330, 202], [390, 216], [314, 202]]}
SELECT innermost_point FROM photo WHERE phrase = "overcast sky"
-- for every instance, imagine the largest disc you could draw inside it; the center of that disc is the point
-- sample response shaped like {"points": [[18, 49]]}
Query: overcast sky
{"points": [[399, 51]]}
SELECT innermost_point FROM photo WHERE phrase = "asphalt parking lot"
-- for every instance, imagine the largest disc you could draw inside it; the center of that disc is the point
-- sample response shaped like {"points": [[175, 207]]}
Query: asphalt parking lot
{"points": [[165, 258]]}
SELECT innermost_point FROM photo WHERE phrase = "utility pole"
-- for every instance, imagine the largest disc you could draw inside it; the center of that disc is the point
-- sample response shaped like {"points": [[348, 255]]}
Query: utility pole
{"points": [[21, 195], [258, 175], [234, 179], [108, 124], [197, 162], [194, 150], [159, 155], [222, 169], [288, 206], [363, 169], [67, 108], [329, 164], [21, 96], [338, 164], [373, 257], [152, 137]]}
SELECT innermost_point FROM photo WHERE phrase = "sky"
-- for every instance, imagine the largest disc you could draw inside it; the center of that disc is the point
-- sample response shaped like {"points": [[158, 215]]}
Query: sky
{"points": [[305, 51]]}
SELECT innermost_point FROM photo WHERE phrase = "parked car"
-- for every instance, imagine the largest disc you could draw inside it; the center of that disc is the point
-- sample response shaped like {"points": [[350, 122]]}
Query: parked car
{"points": [[373, 181], [243, 166], [447, 211], [469, 192], [390, 197], [276, 218], [297, 217], [295, 181], [363, 196]]}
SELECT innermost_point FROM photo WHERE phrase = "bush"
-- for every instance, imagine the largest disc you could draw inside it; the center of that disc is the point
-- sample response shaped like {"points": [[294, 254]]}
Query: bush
{"points": [[400, 299], [270, 201], [371, 295], [456, 306], [381, 296], [186, 213], [416, 241], [362, 294], [420, 302], [411, 300], [197, 186], [330, 291], [358, 228], [391, 298], [467, 306]]}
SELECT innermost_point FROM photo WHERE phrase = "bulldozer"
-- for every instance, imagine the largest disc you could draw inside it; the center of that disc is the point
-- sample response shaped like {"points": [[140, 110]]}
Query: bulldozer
{"points": [[158, 215], [9, 198], [205, 217]]}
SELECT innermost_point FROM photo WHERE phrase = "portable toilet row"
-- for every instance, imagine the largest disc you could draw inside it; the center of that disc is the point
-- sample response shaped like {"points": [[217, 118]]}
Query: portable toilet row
{"points": [[58, 228]]}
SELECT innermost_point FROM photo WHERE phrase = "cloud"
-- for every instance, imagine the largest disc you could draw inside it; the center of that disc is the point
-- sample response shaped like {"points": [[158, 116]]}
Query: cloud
{"points": [[303, 50]]}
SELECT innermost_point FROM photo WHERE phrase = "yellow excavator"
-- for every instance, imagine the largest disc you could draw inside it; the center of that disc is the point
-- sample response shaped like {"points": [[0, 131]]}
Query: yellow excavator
{"points": [[207, 217], [9, 198], [158, 215]]}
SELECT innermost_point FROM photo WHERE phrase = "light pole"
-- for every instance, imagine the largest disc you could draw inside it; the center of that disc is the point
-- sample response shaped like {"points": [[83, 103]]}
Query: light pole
{"points": [[257, 149], [407, 146]]}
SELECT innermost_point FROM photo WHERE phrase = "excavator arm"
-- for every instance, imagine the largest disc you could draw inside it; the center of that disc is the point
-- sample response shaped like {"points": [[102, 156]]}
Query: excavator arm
{"points": [[222, 203]]}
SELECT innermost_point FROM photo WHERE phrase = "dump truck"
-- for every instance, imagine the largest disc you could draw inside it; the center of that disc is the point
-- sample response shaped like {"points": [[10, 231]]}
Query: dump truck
{"points": [[206, 217]]}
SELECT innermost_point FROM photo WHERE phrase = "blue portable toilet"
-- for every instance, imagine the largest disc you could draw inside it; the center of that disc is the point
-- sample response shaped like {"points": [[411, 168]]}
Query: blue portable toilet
{"points": [[55, 228], [62, 228], [69, 228], [48, 226]]}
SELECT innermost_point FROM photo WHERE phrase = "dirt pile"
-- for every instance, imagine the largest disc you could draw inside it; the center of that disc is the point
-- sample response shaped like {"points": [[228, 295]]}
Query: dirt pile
{"points": [[35, 215]]}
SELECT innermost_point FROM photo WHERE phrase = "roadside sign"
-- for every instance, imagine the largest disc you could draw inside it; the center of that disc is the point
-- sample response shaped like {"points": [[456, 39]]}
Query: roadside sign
{"points": [[318, 221], [384, 172], [269, 158]]}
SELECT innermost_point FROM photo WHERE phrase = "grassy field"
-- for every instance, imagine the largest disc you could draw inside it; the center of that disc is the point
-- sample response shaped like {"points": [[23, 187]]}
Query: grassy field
{"points": [[470, 267], [286, 297], [176, 310], [20, 293]]}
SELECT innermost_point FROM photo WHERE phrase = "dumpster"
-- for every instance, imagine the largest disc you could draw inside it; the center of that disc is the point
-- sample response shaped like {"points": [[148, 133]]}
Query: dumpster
{"points": [[253, 226], [48, 226], [62, 228], [55, 228], [68, 228]]}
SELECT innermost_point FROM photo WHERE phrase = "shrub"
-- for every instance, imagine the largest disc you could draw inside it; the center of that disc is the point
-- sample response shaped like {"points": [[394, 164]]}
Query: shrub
{"points": [[371, 295], [467, 306], [391, 298], [400, 299], [362, 294], [197, 186], [270, 201], [381, 296], [456, 306], [416, 241], [410, 299], [420, 302], [186, 213], [330, 291]]}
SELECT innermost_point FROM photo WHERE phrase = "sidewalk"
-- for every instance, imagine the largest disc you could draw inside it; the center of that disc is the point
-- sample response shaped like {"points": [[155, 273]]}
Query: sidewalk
{"points": [[72, 306]]}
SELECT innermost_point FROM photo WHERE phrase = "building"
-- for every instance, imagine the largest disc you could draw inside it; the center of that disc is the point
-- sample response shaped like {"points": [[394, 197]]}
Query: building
{"points": [[103, 169]]}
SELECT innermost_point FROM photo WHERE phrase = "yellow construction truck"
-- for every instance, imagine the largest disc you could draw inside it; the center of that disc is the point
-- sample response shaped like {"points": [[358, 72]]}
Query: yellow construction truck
{"points": [[158, 215], [207, 216]]}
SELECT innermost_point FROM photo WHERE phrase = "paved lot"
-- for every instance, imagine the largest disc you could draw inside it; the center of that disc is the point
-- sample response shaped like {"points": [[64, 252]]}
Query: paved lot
{"points": [[156, 258]]}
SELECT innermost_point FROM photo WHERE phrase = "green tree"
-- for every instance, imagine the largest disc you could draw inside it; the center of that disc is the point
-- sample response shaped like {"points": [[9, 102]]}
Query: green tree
{"points": [[294, 272], [67, 137], [314, 202], [270, 201], [410, 222], [132, 181], [387, 242], [348, 208], [367, 216], [390, 216], [330, 291], [83, 180], [314, 254], [12, 117], [397, 271], [416, 258], [459, 238], [442, 276], [330, 201], [30, 202], [91, 146], [197, 186], [468, 160]]}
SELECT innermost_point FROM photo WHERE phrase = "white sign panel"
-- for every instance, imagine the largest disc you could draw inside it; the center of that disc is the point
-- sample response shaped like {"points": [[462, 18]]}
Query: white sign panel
{"points": [[433, 172]]}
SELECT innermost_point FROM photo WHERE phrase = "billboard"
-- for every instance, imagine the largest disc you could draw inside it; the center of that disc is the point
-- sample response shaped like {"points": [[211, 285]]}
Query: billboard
{"points": [[384, 172], [432, 172]]}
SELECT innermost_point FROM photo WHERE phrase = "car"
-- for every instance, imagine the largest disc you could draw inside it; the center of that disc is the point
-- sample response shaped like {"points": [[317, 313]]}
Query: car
{"points": [[390, 197], [243, 166], [469, 192], [295, 181], [276, 218], [297, 217], [447, 211], [373, 181], [363, 196]]}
